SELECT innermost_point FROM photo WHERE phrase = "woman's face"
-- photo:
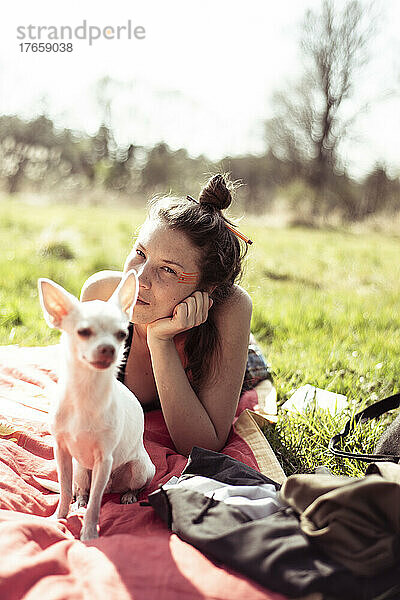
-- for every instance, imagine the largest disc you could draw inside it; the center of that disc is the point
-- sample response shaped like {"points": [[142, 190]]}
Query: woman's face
{"points": [[160, 256]]}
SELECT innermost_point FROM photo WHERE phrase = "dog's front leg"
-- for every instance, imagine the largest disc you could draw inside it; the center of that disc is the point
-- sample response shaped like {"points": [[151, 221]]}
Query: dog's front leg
{"points": [[64, 469], [100, 476]]}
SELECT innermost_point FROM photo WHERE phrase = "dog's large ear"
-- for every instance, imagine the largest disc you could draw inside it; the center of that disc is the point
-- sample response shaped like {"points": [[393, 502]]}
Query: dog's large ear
{"points": [[56, 302], [127, 292]]}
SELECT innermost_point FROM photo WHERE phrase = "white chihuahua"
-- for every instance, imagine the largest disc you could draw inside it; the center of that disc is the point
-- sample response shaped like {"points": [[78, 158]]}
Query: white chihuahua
{"points": [[96, 421]]}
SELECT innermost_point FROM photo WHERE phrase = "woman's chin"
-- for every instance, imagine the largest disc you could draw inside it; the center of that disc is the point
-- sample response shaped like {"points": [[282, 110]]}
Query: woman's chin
{"points": [[144, 317], [140, 315]]}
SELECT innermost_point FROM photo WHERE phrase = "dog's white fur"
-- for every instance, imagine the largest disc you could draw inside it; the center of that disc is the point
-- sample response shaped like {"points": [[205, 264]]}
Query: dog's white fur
{"points": [[97, 422]]}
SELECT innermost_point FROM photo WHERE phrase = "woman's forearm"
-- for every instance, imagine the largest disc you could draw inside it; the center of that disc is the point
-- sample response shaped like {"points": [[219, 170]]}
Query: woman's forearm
{"points": [[187, 420]]}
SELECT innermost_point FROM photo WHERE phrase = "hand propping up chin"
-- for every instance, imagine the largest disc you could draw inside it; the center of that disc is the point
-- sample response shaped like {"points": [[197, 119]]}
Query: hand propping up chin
{"points": [[191, 312]]}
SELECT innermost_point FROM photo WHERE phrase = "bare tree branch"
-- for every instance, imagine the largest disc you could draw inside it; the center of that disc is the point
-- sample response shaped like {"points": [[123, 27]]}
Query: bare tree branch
{"points": [[309, 122]]}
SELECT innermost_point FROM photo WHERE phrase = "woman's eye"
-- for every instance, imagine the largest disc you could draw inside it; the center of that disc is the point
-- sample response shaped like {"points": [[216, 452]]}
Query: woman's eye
{"points": [[170, 270], [167, 269]]}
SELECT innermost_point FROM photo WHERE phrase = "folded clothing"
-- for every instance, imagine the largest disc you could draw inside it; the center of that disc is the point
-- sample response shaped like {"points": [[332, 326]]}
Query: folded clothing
{"points": [[257, 369], [255, 501], [273, 551], [231, 481], [354, 520]]}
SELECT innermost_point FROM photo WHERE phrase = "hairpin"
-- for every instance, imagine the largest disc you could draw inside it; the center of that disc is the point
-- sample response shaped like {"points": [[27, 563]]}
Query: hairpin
{"points": [[236, 232], [241, 235]]}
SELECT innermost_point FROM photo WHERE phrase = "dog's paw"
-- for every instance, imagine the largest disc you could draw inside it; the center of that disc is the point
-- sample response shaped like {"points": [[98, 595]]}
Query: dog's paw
{"points": [[60, 513], [129, 497], [90, 532]]}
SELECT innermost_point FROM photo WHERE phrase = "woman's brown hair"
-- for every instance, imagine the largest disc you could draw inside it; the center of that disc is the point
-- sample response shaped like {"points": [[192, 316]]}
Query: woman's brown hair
{"points": [[221, 254]]}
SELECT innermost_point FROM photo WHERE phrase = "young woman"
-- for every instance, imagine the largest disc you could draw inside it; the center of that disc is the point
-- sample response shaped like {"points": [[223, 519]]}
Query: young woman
{"points": [[189, 337]]}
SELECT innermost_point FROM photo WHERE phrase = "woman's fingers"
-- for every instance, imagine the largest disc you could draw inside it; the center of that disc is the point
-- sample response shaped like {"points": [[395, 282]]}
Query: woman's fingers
{"points": [[198, 308], [195, 303], [193, 311], [197, 311], [184, 311], [206, 306], [202, 306]]}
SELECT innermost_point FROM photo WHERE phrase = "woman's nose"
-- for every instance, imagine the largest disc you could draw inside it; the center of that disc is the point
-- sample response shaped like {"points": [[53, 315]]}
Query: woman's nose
{"points": [[144, 276]]}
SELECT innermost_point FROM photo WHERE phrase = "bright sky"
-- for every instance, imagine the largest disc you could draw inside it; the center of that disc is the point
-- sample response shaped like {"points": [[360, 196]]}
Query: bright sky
{"points": [[202, 78]]}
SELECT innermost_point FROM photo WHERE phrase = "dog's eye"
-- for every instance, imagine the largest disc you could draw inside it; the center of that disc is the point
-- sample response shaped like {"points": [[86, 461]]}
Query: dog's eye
{"points": [[85, 332], [121, 335]]}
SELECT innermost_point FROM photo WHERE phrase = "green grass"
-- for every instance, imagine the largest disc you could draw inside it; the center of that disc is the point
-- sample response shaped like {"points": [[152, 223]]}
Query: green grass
{"points": [[325, 308]]}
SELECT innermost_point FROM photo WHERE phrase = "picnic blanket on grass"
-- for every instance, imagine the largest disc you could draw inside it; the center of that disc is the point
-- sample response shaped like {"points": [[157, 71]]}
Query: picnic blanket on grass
{"points": [[135, 556]]}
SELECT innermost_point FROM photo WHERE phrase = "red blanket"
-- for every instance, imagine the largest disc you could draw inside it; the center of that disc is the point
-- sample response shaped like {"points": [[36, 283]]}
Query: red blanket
{"points": [[135, 556]]}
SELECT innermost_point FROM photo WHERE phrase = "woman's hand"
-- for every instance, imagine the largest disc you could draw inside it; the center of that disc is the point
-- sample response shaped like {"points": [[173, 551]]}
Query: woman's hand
{"points": [[191, 312]]}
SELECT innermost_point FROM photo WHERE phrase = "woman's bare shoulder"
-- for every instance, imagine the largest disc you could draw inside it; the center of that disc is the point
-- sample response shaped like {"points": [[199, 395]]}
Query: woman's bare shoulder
{"points": [[241, 295], [238, 301], [234, 314], [100, 286]]}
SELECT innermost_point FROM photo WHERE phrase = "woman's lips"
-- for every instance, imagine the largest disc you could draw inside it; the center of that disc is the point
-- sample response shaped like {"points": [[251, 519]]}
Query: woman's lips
{"points": [[139, 301]]}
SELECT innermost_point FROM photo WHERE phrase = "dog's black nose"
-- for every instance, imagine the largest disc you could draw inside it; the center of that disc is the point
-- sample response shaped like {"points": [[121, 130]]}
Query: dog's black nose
{"points": [[106, 351]]}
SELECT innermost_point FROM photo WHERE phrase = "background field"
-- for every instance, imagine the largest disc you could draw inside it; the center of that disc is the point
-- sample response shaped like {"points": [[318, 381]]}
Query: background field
{"points": [[325, 307]]}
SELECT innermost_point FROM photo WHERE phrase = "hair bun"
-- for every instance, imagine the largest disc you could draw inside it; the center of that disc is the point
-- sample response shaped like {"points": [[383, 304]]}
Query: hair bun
{"points": [[216, 193]]}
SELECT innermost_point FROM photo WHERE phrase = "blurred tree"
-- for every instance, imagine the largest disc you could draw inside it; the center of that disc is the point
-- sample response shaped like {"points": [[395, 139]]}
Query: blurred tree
{"points": [[118, 174], [155, 174], [309, 124], [261, 176], [166, 170], [380, 192], [101, 143], [33, 151], [23, 145]]}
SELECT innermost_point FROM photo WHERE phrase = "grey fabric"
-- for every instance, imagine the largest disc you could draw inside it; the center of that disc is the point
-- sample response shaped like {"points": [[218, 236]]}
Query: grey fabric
{"points": [[224, 468], [255, 501], [389, 442]]}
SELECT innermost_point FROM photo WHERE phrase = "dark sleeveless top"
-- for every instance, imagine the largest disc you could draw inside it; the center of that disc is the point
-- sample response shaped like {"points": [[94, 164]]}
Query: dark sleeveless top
{"points": [[257, 368], [128, 344]]}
